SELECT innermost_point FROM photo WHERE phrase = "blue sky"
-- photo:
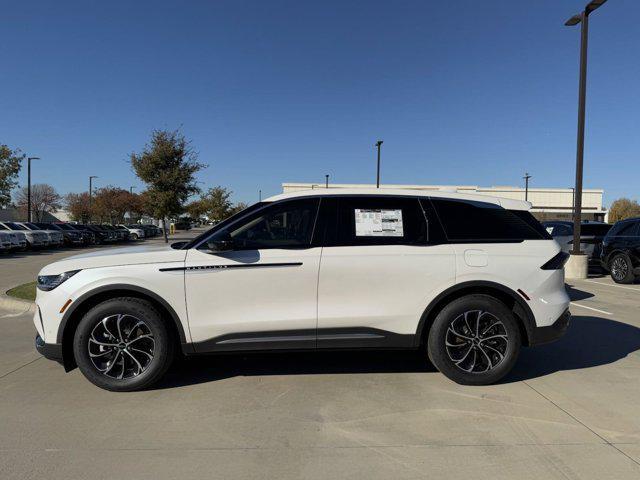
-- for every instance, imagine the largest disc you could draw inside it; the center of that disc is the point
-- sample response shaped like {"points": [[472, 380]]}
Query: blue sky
{"points": [[461, 91]]}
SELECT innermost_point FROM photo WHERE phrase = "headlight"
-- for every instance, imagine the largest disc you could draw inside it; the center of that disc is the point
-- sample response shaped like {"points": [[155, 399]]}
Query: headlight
{"points": [[49, 282]]}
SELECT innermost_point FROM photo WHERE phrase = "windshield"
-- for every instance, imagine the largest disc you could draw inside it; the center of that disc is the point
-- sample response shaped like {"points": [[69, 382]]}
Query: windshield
{"points": [[224, 223], [64, 226], [2, 227], [15, 226]]}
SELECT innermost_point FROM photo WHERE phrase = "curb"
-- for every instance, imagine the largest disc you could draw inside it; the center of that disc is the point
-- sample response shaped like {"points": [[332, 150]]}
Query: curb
{"points": [[15, 305]]}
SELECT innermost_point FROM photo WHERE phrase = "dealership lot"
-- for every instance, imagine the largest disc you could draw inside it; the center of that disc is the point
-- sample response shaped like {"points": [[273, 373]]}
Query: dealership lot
{"points": [[568, 410]]}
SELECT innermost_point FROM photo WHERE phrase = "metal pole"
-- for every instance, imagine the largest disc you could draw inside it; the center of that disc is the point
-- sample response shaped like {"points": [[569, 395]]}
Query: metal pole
{"points": [[378, 144], [29, 189], [326, 183], [90, 193], [259, 195], [577, 211], [526, 185]]}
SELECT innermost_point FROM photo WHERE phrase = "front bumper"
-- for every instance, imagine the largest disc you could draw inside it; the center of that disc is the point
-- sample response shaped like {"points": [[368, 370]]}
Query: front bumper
{"points": [[553, 332], [51, 351]]}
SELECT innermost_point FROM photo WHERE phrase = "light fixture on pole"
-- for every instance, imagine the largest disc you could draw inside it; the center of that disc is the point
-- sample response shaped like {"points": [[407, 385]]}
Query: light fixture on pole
{"points": [[378, 144], [582, 19], [29, 186]]}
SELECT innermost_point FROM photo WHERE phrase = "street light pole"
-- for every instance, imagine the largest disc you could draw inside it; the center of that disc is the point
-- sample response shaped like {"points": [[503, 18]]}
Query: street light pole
{"points": [[91, 193], [526, 186], [326, 181], [131, 190], [378, 144], [583, 19], [29, 186], [259, 195]]}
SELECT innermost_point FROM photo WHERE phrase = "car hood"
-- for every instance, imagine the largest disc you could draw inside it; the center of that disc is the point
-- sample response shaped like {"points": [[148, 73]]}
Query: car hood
{"points": [[115, 257]]}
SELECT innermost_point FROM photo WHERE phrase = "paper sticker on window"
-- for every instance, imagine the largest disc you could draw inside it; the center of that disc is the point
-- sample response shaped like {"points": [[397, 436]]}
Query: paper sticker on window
{"points": [[378, 223]]}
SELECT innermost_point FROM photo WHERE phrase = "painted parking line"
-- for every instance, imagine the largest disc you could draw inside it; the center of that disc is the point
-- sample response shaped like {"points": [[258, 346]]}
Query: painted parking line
{"points": [[590, 308], [616, 286]]}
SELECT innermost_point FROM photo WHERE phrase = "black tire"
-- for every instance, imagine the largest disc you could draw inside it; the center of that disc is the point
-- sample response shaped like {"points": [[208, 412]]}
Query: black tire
{"points": [[621, 269], [134, 236], [141, 359], [493, 357]]}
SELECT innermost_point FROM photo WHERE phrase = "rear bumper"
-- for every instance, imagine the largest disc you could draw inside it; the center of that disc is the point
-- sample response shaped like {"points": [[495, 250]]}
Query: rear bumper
{"points": [[553, 332], [51, 351]]}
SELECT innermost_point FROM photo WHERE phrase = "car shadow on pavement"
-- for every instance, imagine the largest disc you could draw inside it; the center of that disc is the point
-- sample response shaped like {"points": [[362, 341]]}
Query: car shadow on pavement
{"points": [[589, 342], [196, 370], [575, 294]]}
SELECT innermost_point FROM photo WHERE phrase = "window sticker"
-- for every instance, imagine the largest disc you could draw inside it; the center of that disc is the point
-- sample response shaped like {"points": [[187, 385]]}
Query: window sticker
{"points": [[378, 223]]}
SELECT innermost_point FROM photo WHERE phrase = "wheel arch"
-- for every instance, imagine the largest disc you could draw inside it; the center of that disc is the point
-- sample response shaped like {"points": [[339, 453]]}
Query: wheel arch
{"points": [[85, 302], [513, 301]]}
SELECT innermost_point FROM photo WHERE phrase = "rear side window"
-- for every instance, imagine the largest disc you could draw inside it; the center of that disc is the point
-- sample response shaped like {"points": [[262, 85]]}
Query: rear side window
{"points": [[559, 230], [472, 221], [384, 220]]}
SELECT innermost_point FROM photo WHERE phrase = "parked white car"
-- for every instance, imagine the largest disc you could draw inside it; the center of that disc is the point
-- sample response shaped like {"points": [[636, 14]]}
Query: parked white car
{"points": [[468, 278], [5, 242], [33, 239], [55, 237], [135, 232], [18, 239]]}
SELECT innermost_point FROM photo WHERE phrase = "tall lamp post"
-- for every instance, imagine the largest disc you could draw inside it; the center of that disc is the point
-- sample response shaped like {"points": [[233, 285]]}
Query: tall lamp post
{"points": [[378, 144], [29, 186], [326, 181], [526, 185], [91, 193], [582, 19], [131, 190]]}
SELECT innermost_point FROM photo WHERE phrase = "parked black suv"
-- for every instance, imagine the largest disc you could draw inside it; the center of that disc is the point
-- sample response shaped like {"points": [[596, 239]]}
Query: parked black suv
{"points": [[621, 251]]}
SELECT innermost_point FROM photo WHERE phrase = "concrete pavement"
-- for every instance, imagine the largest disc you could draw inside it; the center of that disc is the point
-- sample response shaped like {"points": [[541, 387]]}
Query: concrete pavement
{"points": [[569, 410]]}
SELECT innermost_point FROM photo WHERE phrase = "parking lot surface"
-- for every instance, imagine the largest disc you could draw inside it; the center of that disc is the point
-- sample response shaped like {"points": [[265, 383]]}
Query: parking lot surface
{"points": [[569, 410]]}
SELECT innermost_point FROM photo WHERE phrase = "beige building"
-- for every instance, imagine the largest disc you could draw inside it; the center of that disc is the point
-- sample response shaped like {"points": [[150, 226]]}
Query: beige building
{"points": [[548, 203]]}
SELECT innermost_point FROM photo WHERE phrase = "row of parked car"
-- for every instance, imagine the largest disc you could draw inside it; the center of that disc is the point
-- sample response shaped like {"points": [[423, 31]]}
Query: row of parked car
{"points": [[615, 248], [32, 235]]}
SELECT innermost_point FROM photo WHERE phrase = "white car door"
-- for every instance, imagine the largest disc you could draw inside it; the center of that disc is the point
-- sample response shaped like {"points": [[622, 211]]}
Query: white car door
{"points": [[254, 284], [379, 271]]}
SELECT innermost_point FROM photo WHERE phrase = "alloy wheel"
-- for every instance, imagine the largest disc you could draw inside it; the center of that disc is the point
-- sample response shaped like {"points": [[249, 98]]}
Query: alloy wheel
{"points": [[619, 268], [476, 341], [121, 346]]}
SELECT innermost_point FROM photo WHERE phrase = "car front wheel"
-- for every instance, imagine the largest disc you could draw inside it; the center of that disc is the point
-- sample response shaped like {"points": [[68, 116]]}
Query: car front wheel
{"points": [[123, 344], [474, 340]]}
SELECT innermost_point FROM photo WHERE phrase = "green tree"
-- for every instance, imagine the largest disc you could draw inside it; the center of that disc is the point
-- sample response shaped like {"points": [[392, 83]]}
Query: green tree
{"points": [[10, 163], [238, 207], [623, 208], [167, 166], [216, 203]]}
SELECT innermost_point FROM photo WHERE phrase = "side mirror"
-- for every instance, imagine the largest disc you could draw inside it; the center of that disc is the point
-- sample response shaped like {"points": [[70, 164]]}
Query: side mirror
{"points": [[178, 245], [221, 243]]}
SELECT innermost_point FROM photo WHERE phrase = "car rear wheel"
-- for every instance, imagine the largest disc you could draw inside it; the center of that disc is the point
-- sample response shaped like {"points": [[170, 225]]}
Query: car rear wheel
{"points": [[621, 269], [474, 340], [134, 236], [123, 345]]}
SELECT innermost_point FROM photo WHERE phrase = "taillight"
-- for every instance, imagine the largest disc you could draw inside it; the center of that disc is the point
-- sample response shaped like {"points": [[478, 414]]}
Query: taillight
{"points": [[557, 262]]}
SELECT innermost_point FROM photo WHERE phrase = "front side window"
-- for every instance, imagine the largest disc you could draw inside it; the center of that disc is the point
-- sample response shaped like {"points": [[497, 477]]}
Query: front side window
{"points": [[282, 225], [626, 229]]}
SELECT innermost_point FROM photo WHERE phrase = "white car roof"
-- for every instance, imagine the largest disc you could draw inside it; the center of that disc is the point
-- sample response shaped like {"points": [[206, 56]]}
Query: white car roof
{"points": [[507, 203]]}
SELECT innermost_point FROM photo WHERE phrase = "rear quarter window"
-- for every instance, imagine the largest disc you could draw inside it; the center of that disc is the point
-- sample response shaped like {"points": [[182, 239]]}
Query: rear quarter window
{"points": [[472, 221]]}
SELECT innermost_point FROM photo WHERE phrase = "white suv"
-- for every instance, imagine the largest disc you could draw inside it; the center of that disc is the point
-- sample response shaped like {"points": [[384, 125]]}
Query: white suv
{"points": [[469, 279]]}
